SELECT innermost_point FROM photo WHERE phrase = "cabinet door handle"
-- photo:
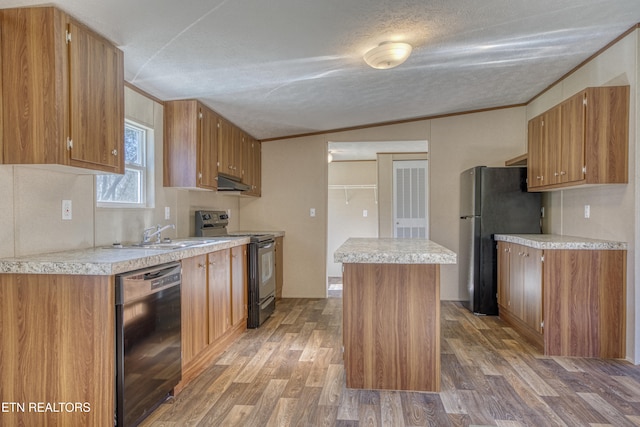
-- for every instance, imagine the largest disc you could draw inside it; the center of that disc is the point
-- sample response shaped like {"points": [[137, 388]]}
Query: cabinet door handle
{"points": [[114, 152]]}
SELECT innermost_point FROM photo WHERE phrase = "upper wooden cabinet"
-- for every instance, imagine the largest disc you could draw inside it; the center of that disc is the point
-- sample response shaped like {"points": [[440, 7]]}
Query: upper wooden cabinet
{"points": [[251, 164], [62, 92], [229, 149], [199, 145], [583, 140], [190, 145]]}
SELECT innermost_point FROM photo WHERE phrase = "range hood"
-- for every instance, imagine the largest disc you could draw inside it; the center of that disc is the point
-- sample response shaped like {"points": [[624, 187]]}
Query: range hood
{"points": [[227, 183]]}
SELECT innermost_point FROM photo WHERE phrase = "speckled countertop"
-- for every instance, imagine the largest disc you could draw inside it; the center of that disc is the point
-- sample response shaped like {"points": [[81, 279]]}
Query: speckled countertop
{"points": [[393, 251], [108, 261], [556, 241]]}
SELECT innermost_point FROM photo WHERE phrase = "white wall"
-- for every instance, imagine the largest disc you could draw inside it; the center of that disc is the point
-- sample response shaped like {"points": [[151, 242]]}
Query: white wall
{"points": [[345, 210], [294, 178], [614, 208]]}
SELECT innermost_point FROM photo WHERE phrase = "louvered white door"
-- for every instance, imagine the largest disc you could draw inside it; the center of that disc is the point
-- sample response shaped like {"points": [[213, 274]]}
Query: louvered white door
{"points": [[410, 199]]}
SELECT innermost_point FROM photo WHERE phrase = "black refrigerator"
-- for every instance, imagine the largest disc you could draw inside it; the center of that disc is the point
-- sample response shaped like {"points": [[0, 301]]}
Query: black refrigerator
{"points": [[493, 200]]}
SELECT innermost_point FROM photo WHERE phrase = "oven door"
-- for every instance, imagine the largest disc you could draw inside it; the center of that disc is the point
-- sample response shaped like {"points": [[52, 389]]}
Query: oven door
{"points": [[262, 282], [266, 269]]}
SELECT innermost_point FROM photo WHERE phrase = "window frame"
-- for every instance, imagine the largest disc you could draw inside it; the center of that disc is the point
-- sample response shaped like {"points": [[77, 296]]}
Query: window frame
{"points": [[146, 172]]}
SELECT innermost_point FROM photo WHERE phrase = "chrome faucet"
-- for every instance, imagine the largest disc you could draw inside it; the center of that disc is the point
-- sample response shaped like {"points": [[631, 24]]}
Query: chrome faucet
{"points": [[148, 233]]}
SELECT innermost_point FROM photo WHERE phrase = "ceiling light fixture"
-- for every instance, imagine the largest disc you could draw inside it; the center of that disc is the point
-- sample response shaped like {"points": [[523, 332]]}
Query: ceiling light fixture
{"points": [[388, 55]]}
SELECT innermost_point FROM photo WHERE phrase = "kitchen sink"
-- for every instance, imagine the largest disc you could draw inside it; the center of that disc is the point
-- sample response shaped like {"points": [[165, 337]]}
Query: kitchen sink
{"points": [[167, 245]]}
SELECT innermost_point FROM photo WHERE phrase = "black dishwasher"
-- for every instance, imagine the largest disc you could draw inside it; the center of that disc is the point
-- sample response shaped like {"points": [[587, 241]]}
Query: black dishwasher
{"points": [[148, 341]]}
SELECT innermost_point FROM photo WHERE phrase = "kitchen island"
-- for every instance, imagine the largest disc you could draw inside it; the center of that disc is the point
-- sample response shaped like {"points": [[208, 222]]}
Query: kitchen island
{"points": [[391, 312]]}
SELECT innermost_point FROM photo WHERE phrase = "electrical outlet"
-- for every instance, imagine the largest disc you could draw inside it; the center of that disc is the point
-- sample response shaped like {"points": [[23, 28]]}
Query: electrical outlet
{"points": [[167, 212], [587, 211], [365, 213], [67, 212]]}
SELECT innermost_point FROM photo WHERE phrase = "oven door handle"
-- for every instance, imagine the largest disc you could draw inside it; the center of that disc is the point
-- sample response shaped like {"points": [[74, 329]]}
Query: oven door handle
{"points": [[267, 246], [268, 301]]}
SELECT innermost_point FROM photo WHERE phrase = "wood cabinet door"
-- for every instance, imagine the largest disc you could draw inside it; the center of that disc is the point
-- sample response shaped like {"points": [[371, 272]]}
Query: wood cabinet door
{"points": [[537, 153], [607, 134], [181, 144], [532, 288], [552, 143], [238, 285], [247, 162], [256, 156], [208, 151], [251, 165], [96, 78], [34, 86], [572, 136], [237, 139], [219, 274], [225, 144], [516, 282], [503, 274], [195, 336]]}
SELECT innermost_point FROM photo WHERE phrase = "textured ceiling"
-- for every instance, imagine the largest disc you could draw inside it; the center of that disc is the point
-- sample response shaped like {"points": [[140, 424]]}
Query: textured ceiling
{"points": [[285, 67]]}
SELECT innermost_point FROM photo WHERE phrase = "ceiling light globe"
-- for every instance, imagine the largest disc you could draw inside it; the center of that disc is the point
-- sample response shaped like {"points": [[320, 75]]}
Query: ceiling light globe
{"points": [[388, 55]]}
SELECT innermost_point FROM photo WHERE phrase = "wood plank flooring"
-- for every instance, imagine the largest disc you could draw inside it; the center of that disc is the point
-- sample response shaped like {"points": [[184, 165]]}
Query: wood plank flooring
{"points": [[289, 372]]}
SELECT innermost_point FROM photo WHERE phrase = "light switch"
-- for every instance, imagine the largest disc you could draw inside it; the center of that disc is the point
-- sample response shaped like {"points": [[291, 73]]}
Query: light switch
{"points": [[365, 213], [312, 212]]}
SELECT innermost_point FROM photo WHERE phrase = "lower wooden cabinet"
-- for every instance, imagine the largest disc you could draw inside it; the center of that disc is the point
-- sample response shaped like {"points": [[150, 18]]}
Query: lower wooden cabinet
{"points": [[214, 303], [194, 307], [568, 302], [58, 346], [584, 299], [239, 309], [520, 288], [219, 285]]}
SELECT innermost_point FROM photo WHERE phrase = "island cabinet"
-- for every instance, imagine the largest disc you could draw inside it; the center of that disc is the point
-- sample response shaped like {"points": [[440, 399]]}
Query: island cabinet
{"points": [[391, 312], [582, 141], [214, 306], [58, 350], [190, 145], [566, 295], [62, 92]]}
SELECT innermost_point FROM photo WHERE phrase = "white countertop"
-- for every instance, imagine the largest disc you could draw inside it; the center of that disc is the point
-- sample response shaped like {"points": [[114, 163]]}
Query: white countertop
{"points": [[393, 251], [107, 261], [556, 241]]}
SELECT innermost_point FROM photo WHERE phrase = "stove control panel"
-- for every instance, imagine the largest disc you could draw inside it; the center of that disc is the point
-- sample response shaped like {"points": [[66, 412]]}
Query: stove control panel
{"points": [[210, 223]]}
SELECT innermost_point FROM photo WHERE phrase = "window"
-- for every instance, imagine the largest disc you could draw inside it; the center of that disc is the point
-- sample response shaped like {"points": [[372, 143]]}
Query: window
{"points": [[130, 189]]}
